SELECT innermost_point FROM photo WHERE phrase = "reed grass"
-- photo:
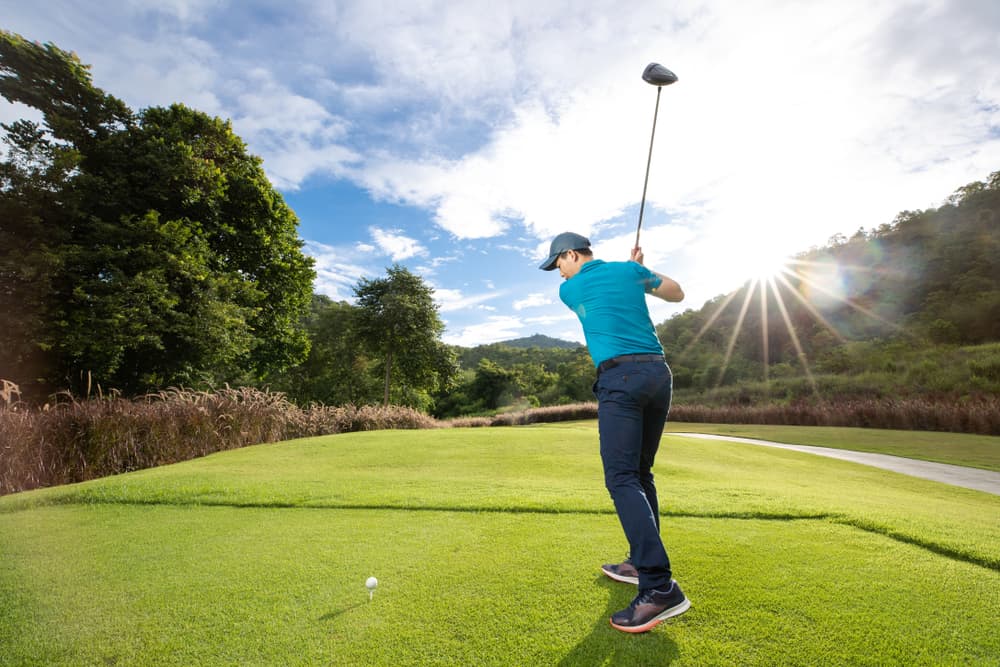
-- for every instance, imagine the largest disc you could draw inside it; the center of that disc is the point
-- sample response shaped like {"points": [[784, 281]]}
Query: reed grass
{"points": [[979, 415], [73, 440]]}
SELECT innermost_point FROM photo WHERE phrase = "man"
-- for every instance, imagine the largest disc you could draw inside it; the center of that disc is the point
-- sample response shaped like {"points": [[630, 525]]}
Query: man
{"points": [[633, 390]]}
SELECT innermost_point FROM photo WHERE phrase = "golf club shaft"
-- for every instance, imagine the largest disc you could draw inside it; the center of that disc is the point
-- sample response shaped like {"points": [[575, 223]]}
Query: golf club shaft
{"points": [[649, 159]]}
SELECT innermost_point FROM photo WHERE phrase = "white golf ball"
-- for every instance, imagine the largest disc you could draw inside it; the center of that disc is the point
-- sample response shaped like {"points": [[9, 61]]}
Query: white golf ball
{"points": [[371, 583]]}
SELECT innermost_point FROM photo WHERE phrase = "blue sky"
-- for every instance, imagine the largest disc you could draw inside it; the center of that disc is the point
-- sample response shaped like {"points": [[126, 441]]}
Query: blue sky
{"points": [[457, 138]]}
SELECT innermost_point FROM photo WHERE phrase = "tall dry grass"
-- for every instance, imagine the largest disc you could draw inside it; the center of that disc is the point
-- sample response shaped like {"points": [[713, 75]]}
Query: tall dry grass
{"points": [[553, 413], [979, 415], [73, 440], [974, 415]]}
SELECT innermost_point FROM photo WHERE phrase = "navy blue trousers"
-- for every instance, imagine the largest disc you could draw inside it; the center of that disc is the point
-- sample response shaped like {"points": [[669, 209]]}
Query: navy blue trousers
{"points": [[633, 402]]}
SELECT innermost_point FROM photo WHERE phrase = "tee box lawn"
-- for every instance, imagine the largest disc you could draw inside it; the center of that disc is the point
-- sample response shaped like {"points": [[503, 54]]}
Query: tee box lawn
{"points": [[487, 545]]}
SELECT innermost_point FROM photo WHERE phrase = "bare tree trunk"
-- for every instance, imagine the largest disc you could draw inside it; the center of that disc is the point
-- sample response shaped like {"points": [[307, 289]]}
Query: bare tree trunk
{"points": [[388, 374]]}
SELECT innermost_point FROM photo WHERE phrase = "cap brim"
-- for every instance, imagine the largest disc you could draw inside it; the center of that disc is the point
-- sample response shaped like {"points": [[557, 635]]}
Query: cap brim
{"points": [[550, 263]]}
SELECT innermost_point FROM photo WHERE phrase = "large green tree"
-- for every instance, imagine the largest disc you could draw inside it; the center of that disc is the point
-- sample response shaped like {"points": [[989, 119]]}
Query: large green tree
{"points": [[399, 322], [144, 249]]}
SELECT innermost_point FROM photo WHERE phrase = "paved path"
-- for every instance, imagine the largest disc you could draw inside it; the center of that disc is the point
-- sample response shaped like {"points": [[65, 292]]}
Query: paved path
{"points": [[970, 478]]}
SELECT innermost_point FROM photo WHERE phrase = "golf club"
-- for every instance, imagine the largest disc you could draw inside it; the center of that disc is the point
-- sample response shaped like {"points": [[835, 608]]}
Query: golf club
{"points": [[657, 75]]}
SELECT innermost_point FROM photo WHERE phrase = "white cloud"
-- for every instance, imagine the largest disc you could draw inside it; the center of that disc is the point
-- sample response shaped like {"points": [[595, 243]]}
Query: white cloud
{"points": [[532, 301], [335, 277], [296, 135], [396, 245], [496, 328], [565, 316], [575, 335], [453, 52], [435, 265], [450, 300], [184, 10], [174, 67]]}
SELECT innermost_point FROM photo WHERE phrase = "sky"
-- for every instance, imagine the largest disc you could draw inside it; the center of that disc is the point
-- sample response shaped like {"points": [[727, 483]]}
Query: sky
{"points": [[458, 138]]}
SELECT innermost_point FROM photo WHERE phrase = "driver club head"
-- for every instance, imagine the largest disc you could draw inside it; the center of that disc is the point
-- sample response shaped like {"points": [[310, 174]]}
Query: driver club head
{"points": [[658, 75]]}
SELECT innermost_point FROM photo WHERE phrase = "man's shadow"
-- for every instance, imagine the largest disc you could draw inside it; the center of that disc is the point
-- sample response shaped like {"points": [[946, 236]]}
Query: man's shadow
{"points": [[606, 646]]}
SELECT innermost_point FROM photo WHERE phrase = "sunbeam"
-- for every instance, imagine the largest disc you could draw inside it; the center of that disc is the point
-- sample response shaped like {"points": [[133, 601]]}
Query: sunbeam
{"points": [[811, 308], [707, 325], [736, 332], [764, 337], [795, 338]]}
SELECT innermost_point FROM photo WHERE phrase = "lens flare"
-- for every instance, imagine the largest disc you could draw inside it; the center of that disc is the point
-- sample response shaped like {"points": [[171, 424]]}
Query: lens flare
{"points": [[822, 289], [825, 274]]}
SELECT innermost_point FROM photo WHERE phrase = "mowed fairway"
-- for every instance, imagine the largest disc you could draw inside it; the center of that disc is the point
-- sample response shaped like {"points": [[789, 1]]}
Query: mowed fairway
{"points": [[487, 544]]}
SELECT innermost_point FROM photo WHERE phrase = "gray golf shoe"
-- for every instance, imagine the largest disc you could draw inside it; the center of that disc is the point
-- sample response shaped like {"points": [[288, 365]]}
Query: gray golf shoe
{"points": [[624, 572]]}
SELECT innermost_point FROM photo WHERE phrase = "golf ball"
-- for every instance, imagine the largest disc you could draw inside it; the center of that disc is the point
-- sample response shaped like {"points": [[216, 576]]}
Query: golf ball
{"points": [[371, 583]]}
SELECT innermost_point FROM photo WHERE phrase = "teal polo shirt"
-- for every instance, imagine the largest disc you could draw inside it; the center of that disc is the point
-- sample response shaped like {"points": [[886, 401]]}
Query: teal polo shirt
{"points": [[610, 300]]}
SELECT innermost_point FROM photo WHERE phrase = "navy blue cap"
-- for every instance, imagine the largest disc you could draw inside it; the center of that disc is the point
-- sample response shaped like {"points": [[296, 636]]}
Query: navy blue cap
{"points": [[562, 243]]}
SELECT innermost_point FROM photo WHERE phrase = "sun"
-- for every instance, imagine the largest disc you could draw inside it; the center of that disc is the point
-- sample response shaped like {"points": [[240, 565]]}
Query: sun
{"points": [[760, 261]]}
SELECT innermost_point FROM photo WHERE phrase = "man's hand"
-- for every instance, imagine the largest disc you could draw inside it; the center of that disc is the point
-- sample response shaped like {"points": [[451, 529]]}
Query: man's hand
{"points": [[637, 255]]}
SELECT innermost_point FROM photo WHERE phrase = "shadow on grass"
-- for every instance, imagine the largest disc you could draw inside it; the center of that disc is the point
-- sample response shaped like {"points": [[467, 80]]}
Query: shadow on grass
{"points": [[338, 612], [607, 646]]}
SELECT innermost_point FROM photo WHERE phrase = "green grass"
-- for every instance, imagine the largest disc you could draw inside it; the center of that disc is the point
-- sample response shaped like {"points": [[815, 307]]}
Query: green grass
{"points": [[963, 449], [487, 544]]}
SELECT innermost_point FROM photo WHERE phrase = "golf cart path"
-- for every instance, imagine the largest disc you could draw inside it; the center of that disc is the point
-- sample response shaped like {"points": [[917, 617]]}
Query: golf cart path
{"points": [[970, 478]]}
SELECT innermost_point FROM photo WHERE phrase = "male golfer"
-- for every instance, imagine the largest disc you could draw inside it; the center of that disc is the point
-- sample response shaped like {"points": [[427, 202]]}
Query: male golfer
{"points": [[633, 390]]}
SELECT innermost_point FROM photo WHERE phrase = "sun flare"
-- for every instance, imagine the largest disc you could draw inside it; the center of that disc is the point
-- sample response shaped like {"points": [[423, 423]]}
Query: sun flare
{"points": [[761, 262]]}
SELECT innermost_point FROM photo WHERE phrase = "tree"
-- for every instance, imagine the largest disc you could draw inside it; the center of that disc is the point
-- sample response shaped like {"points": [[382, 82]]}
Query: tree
{"points": [[494, 386], [576, 378], [145, 249], [337, 370], [36, 207], [399, 322]]}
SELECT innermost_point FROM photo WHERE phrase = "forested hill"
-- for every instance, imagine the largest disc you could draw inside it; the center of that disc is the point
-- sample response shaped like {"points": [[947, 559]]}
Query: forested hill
{"points": [[533, 349], [541, 341], [927, 278]]}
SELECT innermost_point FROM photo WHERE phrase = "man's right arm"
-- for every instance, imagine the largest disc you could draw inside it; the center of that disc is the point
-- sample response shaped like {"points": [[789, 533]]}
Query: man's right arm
{"points": [[669, 289]]}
